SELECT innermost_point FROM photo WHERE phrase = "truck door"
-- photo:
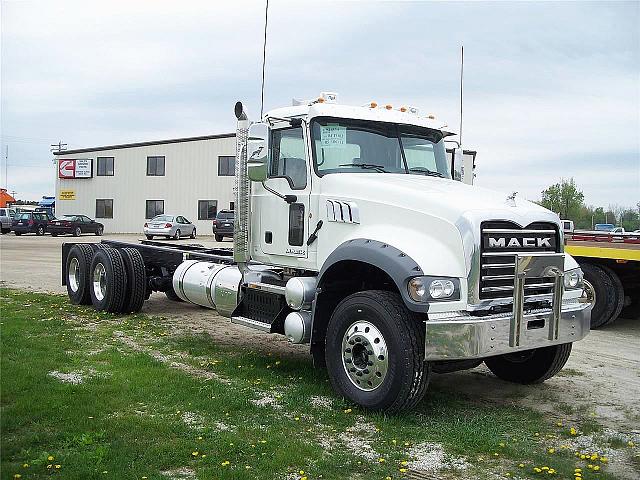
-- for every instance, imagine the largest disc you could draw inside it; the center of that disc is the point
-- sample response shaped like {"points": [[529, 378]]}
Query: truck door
{"points": [[284, 227]]}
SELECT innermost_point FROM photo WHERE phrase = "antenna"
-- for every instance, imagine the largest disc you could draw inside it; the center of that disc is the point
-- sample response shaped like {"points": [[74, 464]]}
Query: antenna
{"points": [[461, 88], [264, 56]]}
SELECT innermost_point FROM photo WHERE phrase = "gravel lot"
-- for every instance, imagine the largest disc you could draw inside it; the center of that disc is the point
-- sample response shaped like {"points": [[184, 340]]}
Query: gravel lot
{"points": [[601, 377]]}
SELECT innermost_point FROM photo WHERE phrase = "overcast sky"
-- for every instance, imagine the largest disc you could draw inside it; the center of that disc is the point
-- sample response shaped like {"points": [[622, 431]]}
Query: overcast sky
{"points": [[552, 90]]}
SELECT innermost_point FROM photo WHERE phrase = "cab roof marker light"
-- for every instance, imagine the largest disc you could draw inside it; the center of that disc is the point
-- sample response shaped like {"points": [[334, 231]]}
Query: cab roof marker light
{"points": [[388, 106], [373, 105], [431, 116], [403, 109]]}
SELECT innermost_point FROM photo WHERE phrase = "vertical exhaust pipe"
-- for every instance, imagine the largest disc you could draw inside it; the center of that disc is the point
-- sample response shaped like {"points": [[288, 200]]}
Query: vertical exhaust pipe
{"points": [[241, 191]]}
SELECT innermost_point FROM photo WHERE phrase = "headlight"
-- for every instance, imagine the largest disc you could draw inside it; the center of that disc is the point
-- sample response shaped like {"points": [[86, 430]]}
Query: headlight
{"points": [[573, 279], [430, 289]]}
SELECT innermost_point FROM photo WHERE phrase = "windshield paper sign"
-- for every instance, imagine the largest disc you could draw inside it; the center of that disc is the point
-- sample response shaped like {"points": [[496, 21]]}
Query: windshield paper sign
{"points": [[333, 136]]}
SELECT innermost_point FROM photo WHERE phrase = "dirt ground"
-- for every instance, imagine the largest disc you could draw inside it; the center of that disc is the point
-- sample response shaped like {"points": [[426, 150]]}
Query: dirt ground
{"points": [[602, 376]]}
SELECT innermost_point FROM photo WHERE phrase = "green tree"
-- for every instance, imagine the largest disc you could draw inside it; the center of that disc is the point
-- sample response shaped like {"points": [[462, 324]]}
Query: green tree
{"points": [[564, 198]]}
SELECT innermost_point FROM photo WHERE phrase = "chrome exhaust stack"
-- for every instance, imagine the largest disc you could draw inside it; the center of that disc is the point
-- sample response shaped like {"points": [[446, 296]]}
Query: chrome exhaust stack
{"points": [[241, 191]]}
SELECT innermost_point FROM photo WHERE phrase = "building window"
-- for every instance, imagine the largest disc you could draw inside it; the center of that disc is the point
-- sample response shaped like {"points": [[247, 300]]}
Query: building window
{"points": [[232, 206], [105, 166], [154, 207], [207, 209], [104, 208], [155, 166], [226, 166]]}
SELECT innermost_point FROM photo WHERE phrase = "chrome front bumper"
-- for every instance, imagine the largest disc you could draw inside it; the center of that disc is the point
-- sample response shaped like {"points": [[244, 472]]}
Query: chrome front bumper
{"points": [[459, 335]]}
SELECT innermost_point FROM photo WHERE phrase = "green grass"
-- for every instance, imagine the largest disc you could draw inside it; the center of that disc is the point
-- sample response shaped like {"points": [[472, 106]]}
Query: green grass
{"points": [[136, 415]]}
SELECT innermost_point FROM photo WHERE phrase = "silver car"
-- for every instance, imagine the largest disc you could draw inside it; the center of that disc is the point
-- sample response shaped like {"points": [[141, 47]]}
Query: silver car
{"points": [[169, 226], [6, 217]]}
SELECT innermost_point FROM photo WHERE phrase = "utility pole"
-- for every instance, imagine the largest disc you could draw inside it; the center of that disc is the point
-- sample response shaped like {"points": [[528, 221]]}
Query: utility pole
{"points": [[6, 168], [58, 147]]}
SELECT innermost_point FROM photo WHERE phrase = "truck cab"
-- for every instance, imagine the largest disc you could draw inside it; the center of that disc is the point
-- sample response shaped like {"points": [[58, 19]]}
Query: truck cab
{"points": [[364, 199]]}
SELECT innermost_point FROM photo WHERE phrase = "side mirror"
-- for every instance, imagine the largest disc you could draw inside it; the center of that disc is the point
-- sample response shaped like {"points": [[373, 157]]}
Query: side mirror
{"points": [[463, 165], [258, 152], [456, 164]]}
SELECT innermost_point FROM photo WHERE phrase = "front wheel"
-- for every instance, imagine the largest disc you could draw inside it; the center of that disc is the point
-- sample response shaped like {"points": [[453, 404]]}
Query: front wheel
{"points": [[177, 235], [77, 232], [99, 231], [40, 231], [530, 366], [219, 238], [375, 352], [193, 233], [149, 237]]}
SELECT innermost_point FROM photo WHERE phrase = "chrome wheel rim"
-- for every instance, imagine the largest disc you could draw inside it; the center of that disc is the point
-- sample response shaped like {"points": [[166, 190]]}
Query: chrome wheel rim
{"points": [[99, 281], [588, 293], [364, 355], [177, 234], [74, 274]]}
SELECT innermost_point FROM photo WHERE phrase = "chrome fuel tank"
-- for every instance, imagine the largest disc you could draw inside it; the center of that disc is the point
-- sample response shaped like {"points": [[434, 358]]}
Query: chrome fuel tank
{"points": [[208, 284]]}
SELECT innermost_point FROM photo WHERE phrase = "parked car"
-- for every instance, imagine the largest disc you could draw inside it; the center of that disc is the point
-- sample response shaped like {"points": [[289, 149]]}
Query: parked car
{"points": [[223, 225], [31, 222], [75, 225], [175, 226], [6, 217]]}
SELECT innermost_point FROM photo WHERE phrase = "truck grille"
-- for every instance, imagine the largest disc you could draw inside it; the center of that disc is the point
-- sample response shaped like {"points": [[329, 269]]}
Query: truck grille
{"points": [[500, 240]]}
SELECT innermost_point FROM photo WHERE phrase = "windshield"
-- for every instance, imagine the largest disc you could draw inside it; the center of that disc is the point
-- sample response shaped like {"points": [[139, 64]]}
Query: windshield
{"points": [[349, 145]]}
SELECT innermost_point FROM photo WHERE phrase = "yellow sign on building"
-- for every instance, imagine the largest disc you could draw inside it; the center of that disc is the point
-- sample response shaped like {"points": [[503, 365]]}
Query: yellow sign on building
{"points": [[67, 195]]}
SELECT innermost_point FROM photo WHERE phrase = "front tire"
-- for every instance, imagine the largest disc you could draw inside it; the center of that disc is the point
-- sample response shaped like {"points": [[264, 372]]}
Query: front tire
{"points": [[530, 366], [149, 237], [40, 231], [99, 231], [77, 232], [193, 233], [219, 238], [375, 352], [177, 235]]}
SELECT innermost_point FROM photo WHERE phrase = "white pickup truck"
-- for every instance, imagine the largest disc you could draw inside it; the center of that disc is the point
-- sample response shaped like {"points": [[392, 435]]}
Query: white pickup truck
{"points": [[352, 235]]}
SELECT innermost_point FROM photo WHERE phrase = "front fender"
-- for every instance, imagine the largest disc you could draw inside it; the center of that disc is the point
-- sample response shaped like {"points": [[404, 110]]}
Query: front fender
{"points": [[397, 264]]}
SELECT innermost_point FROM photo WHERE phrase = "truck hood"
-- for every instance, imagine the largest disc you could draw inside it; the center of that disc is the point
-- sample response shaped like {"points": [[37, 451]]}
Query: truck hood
{"points": [[443, 198]]}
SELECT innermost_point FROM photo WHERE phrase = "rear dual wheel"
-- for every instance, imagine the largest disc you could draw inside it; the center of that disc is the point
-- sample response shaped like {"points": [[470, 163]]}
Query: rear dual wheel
{"points": [[78, 267], [113, 280], [108, 280]]}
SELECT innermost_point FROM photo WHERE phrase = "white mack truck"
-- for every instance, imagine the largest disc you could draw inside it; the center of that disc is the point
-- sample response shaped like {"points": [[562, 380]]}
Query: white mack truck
{"points": [[353, 235]]}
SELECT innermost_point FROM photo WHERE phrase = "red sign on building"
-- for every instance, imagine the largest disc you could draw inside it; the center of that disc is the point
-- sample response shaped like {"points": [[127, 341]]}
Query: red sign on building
{"points": [[75, 168]]}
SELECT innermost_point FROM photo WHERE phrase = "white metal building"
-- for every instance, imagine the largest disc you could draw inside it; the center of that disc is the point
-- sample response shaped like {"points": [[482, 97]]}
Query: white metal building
{"points": [[123, 185]]}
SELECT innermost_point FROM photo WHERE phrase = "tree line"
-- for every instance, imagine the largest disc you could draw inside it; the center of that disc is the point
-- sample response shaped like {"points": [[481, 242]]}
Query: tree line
{"points": [[565, 199]]}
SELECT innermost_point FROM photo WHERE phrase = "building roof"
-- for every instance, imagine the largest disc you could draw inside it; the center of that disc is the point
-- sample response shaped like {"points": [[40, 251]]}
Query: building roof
{"points": [[146, 144]]}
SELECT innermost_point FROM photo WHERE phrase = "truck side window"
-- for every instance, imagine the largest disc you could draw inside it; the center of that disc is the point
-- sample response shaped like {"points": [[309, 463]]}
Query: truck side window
{"points": [[288, 157]]}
